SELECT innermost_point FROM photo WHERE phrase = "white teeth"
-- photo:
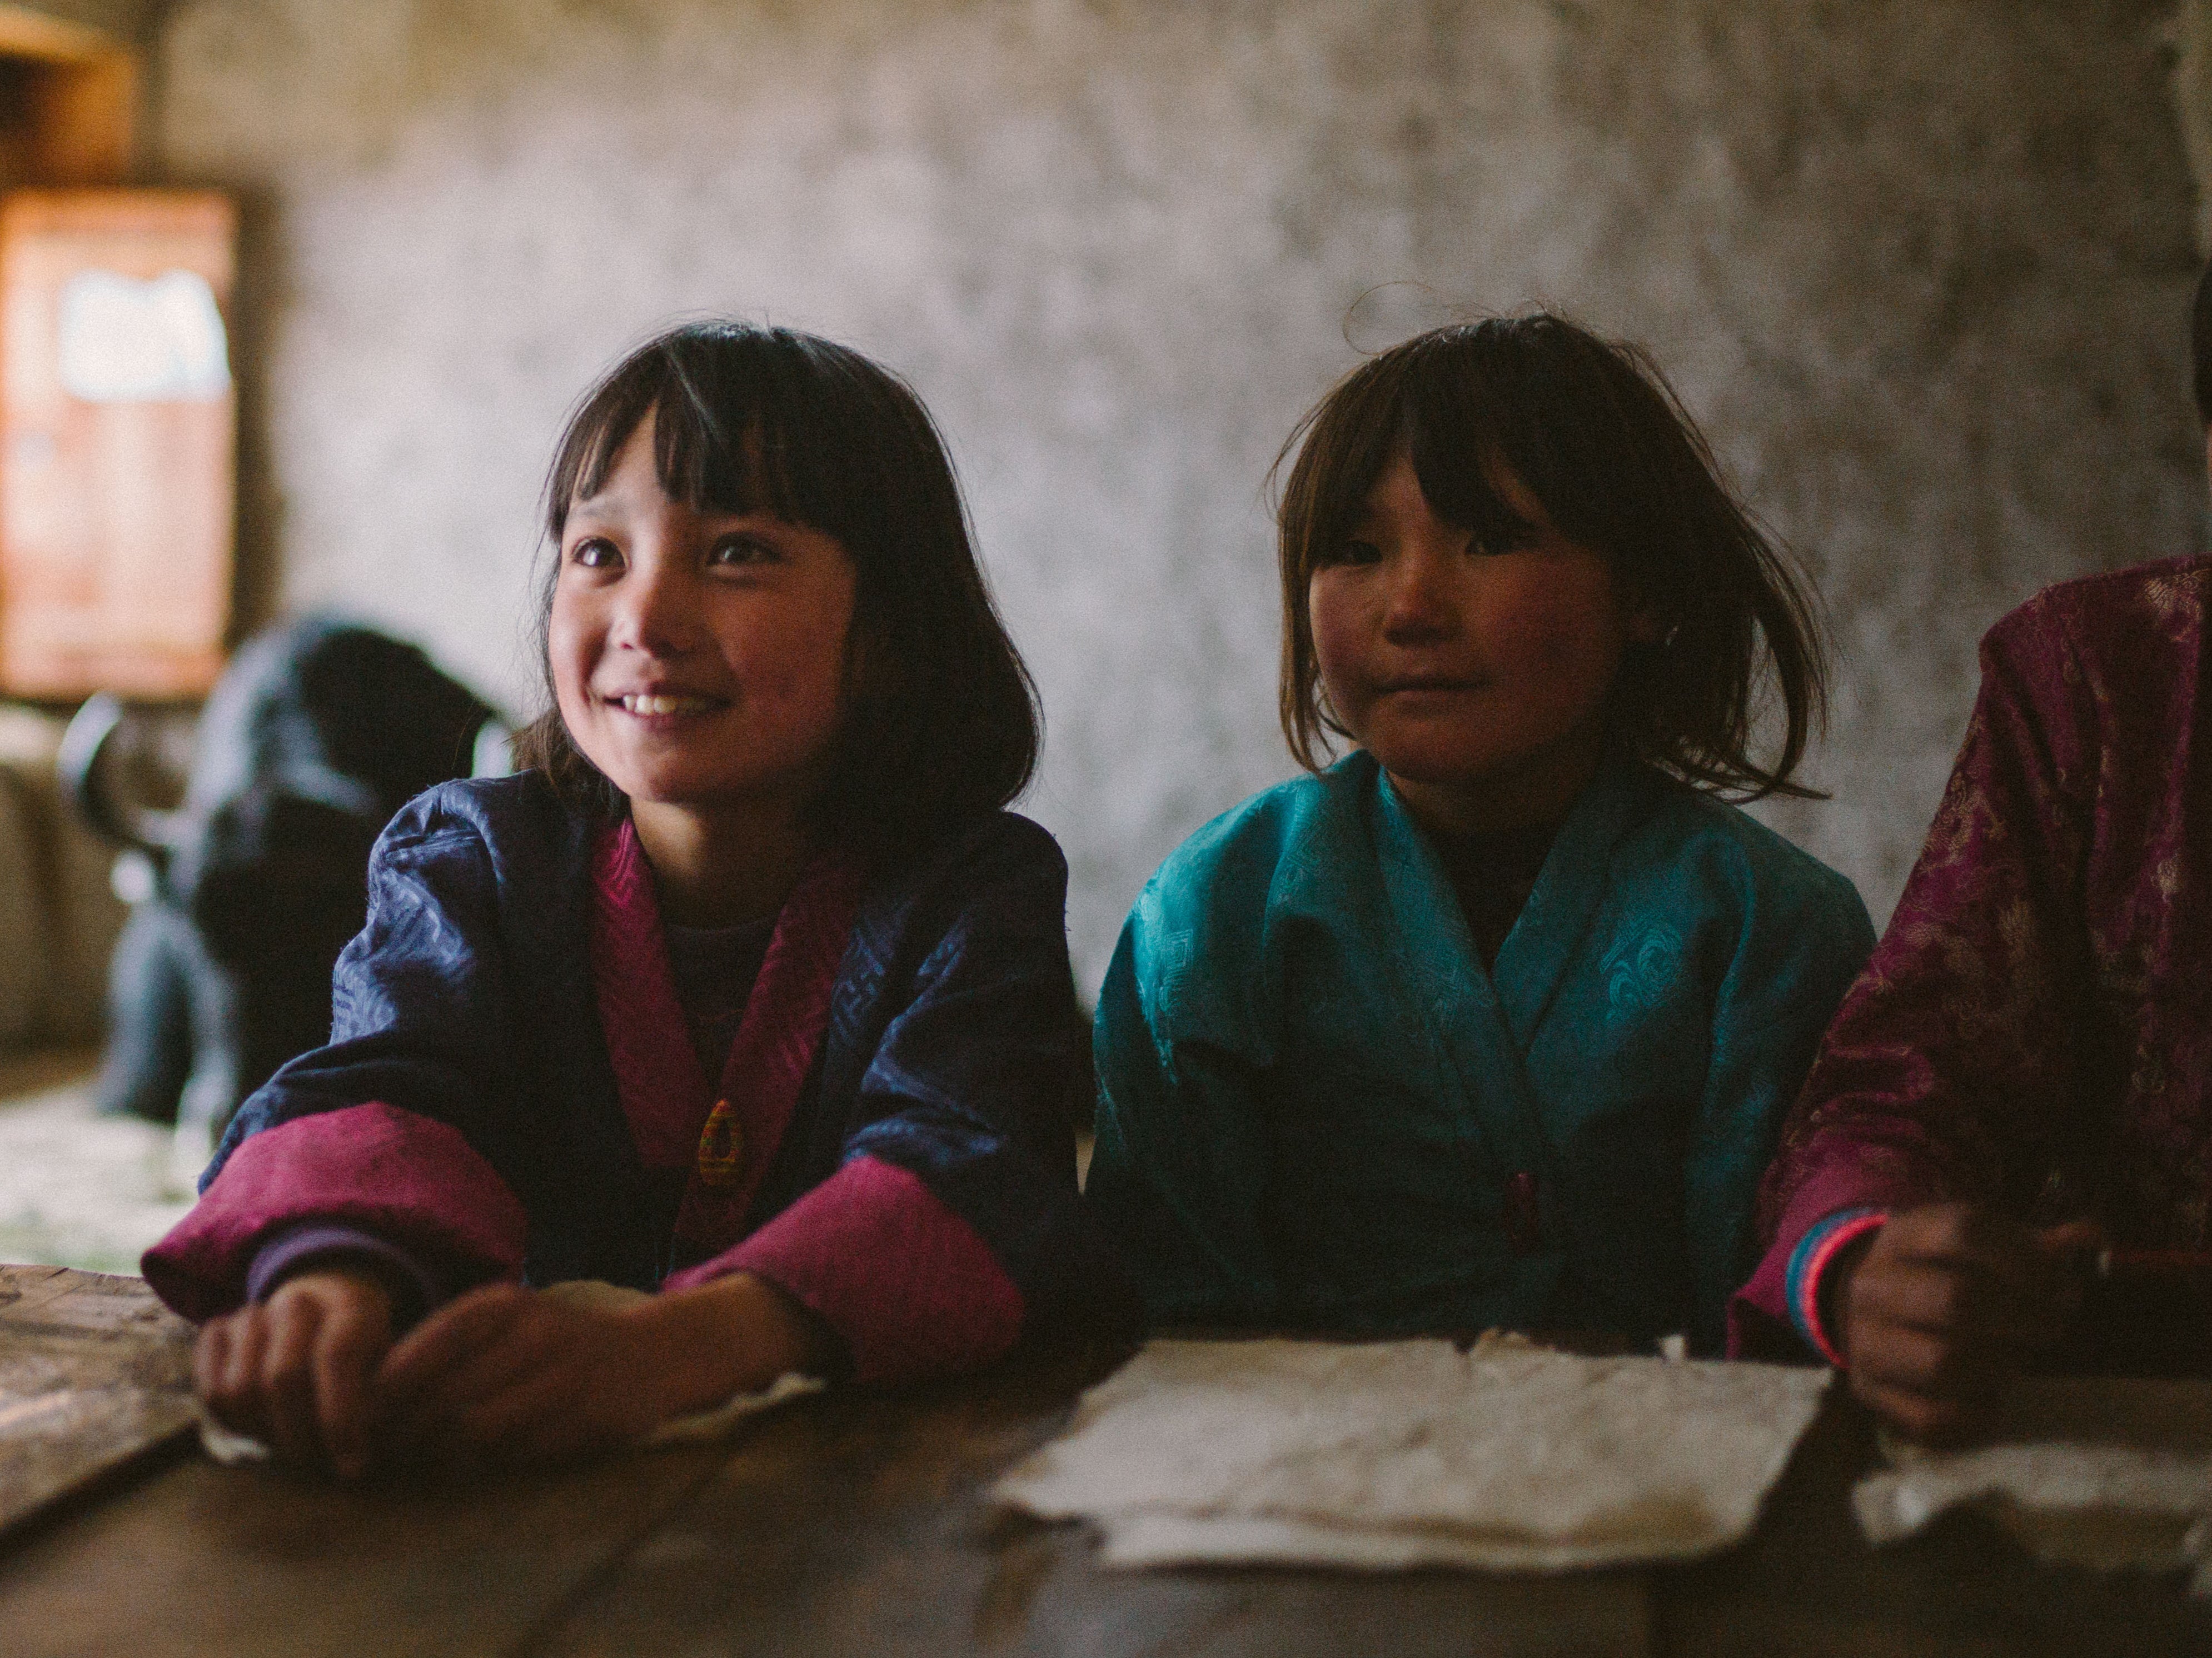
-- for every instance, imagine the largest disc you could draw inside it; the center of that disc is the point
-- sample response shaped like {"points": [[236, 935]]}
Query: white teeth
{"points": [[665, 704]]}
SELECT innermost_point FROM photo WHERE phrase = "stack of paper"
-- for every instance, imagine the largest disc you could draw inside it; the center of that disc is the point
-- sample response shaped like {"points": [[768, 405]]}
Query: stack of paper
{"points": [[1411, 1453]]}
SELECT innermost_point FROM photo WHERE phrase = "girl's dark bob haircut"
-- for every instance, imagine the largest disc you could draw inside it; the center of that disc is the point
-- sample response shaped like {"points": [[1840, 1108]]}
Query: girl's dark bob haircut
{"points": [[1589, 427], [941, 722]]}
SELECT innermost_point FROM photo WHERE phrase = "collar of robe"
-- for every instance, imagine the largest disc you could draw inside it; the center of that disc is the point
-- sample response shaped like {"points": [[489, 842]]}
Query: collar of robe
{"points": [[724, 1137], [1485, 1021]]}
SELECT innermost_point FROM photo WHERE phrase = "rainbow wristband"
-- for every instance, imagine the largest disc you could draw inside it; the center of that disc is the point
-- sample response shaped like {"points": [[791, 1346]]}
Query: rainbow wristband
{"points": [[1801, 1284]]}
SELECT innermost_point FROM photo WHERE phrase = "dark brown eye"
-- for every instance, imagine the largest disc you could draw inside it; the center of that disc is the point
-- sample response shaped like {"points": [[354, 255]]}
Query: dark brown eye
{"points": [[595, 553], [1357, 552], [742, 549]]}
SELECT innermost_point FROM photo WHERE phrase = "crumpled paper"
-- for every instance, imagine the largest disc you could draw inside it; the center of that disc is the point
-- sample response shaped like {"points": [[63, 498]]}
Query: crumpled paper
{"points": [[2106, 1474], [231, 1448], [1393, 1455]]}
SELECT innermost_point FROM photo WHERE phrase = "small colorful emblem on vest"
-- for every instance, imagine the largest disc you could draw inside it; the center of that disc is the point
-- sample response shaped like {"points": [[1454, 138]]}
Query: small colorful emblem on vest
{"points": [[721, 1146]]}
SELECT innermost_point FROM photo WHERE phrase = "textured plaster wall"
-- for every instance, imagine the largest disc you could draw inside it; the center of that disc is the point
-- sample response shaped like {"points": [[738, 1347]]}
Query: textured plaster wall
{"points": [[1922, 266], [2191, 33]]}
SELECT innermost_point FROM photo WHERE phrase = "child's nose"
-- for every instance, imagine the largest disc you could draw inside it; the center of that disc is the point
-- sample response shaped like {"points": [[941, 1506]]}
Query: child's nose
{"points": [[657, 611], [1419, 599]]}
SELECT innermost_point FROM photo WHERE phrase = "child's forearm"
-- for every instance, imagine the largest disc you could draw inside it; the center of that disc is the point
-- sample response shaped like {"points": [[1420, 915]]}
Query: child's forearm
{"points": [[733, 1335]]}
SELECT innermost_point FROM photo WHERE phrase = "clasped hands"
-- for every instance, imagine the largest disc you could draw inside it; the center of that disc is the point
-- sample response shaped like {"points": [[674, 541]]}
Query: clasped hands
{"points": [[1943, 1303], [501, 1374]]}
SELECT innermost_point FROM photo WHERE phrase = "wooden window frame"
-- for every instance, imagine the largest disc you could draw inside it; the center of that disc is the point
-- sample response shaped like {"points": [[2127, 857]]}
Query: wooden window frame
{"points": [[79, 118], [69, 105]]}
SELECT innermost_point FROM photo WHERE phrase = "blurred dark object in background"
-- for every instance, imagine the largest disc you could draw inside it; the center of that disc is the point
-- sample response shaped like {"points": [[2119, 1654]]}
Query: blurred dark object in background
{"points": [[2143, 1313], [243, 895]]}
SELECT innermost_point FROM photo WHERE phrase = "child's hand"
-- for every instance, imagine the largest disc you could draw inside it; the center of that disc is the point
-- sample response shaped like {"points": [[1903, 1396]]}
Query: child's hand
{"points": [[510, 1374], [506, 1374], [293, 1370], [1943, 1305]]}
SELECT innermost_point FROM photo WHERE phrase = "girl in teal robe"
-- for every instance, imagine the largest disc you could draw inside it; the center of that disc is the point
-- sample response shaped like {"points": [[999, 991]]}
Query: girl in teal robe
{"points": [[1493, 1021]]}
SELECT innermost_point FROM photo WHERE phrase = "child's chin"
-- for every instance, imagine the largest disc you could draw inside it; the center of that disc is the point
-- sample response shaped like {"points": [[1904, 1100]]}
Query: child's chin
{"points": [[694, 795], [658, 788], [1441, 765], [664, 794]]}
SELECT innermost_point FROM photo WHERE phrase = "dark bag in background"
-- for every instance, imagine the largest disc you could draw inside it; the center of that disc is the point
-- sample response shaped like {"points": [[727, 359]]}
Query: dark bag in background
{"points": [[244, 894]]}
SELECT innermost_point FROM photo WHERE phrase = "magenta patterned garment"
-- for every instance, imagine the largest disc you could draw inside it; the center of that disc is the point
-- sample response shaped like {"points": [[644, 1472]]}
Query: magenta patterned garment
{"points": [[2035, 1028], [667, 1098], [411, 1182]]}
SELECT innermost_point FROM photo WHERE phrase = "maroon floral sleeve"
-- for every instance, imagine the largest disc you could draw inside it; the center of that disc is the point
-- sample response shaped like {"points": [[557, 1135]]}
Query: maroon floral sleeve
{"points": [[2035, 1030], [1949, 1071]]}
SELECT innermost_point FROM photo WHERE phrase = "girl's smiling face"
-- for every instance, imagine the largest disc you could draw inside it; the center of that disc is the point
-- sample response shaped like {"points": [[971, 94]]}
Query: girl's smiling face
{"points": [[1478, 677], [699, 657]]}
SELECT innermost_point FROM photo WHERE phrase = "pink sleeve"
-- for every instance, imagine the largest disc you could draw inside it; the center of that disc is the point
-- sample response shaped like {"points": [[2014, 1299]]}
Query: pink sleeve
{"points": [[1843, 1174], [908, 1285], [390, 1173]]}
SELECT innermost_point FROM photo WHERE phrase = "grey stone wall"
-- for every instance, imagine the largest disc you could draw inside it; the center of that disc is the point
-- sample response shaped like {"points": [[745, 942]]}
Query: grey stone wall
{"points": [[1921, 266]]}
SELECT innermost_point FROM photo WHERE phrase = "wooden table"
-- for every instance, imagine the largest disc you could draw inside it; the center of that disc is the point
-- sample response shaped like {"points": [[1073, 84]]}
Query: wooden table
{"points": [[856, 1524]]}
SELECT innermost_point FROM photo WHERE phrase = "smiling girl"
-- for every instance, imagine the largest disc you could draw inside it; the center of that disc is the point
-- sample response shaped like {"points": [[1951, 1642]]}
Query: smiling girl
{"points": [[1493, 1021], [746, 992]]}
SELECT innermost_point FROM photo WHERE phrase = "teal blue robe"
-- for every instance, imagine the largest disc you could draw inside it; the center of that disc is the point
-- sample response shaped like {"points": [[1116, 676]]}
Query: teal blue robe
{"points": [[1319, 1112]]}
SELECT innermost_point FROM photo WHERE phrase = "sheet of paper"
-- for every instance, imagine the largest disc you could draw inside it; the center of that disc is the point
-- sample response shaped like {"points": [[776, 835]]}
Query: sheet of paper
{"points": [[2101, 1473], [1390, 1455]]}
